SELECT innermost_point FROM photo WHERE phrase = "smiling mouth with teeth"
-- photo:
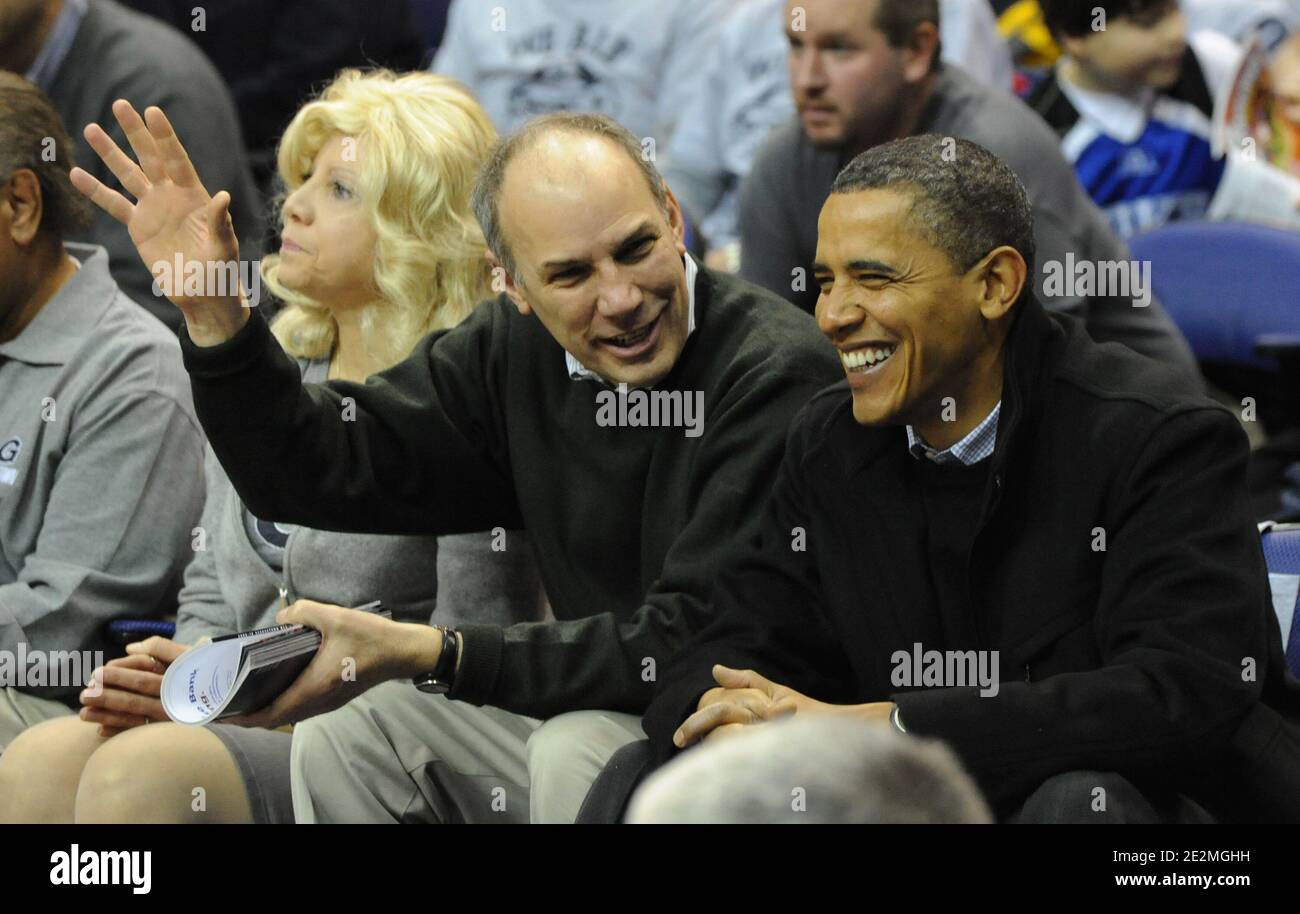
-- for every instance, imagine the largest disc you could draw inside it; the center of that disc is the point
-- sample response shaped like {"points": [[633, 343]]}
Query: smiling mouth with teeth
{"points": [[634, 337], [866, 359]]}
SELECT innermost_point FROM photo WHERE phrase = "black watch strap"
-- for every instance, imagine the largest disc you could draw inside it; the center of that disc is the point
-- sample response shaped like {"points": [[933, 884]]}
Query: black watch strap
{"points": [[445, 671], [439, 680]]}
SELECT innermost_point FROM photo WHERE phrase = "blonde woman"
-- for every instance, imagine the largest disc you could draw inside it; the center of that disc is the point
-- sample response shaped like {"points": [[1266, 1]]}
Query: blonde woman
{"points": [[380, 247]]}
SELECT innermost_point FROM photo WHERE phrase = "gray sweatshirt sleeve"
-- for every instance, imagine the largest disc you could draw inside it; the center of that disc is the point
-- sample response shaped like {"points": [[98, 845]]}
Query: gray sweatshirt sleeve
{"points": [[116, 526]]}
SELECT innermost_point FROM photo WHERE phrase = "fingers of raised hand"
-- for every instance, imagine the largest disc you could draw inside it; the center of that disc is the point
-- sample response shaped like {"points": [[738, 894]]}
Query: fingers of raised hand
{"points": [[220, 225], [176, 161], [141, 140], [119, 163], [110, 201]]}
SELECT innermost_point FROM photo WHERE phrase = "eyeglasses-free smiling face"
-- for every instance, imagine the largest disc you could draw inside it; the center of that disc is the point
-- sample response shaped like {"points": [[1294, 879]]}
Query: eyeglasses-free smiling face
{"points": [[910, 328], [598, 262]]}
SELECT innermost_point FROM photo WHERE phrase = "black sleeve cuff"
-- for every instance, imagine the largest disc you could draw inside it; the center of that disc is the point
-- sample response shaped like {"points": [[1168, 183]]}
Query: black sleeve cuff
{"points": [[480, 663], [228, 358]]}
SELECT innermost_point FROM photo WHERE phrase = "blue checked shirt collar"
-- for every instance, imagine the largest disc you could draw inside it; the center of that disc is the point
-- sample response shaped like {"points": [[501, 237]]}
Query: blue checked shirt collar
{"points": [[970, 450], [580, 372]]}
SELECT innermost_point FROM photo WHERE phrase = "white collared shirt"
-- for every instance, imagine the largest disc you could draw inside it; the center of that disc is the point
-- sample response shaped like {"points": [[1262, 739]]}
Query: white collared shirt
{"points": [[580, 372]]}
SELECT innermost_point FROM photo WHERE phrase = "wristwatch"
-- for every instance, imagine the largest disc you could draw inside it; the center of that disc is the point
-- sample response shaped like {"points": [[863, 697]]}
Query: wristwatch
{"points": [[440, 679]]}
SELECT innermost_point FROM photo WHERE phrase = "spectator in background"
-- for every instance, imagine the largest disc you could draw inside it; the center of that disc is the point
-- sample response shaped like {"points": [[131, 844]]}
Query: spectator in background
{"points": [[817, 771], [636, 61], [430, 259], [85, 54], [1035, 50], [1133, 105], [274, 54], [743, 93], [101, 456], [866, 71]]}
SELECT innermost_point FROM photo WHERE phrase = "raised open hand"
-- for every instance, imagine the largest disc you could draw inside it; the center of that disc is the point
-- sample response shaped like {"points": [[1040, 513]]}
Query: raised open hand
{"points": [[173, 214]]}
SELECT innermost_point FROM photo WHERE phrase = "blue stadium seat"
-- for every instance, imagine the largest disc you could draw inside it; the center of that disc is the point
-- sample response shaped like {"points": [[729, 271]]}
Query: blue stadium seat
{"points": [[1282, 554], [127, 631], [1227, 286]]}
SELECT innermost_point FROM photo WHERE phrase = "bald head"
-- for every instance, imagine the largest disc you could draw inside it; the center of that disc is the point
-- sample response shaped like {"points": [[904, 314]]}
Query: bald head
{"points": [[590, 249], [555, 154]]}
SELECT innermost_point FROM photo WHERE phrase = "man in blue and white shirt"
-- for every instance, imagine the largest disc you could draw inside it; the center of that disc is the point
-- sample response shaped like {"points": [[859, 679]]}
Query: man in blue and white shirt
{"points": [[1133, 102]]}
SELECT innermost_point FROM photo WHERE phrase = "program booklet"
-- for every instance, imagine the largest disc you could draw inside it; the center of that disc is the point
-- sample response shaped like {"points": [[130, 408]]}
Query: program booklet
{"points": [[242, 673]]}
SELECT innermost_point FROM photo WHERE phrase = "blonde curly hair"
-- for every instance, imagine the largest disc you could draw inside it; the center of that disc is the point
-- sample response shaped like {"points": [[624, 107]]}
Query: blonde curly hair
{"points": [[424, 138]]}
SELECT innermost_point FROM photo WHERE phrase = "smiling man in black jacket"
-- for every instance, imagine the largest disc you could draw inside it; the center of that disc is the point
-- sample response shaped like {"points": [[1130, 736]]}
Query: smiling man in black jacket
{"points": [[1000, 533]]}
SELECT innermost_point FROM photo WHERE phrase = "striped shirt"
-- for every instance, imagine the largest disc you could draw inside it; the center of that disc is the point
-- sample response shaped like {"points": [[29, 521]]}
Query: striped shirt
{"points": [[970, 450]]}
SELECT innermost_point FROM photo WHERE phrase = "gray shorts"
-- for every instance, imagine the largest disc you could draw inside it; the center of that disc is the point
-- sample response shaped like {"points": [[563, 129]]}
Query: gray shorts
{"points": [[262, 757]]}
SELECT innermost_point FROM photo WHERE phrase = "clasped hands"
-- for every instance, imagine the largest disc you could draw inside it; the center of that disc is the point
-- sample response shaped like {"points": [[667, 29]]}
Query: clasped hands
{"points": [[744, 697]]}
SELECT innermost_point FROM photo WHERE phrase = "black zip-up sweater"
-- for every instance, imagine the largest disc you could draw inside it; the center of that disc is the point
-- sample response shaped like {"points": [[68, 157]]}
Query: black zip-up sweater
{"points": [[482, 427], [1129, 659]]}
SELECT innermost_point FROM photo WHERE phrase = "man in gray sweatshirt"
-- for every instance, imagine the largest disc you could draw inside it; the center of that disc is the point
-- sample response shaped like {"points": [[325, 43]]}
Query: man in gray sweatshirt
{"points": [[867, 71], [101, 456]]}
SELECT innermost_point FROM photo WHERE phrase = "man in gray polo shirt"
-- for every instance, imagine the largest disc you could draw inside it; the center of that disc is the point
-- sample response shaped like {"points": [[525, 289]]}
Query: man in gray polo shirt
{"points": [[865, 72], [101, 457], [86, 54]]}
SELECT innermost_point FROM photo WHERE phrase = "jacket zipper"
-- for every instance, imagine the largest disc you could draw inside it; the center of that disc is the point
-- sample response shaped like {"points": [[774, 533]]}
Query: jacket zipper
{"points": [[286, 592]]}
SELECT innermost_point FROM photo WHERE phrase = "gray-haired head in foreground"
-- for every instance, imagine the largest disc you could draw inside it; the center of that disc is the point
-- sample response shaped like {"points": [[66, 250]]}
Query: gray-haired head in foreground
{"points": [[486, 198], [967, 201], [813, 770]]}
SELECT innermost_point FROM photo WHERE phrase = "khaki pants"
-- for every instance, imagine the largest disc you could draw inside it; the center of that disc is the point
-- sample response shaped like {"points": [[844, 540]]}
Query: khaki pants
{"points": [[396, 754], [19, 710]]}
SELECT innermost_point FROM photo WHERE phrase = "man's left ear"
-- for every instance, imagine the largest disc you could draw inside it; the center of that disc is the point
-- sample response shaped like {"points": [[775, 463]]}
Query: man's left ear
{"points": [[1001, 276], [22, 195], [919, 51], [676, 220]]}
